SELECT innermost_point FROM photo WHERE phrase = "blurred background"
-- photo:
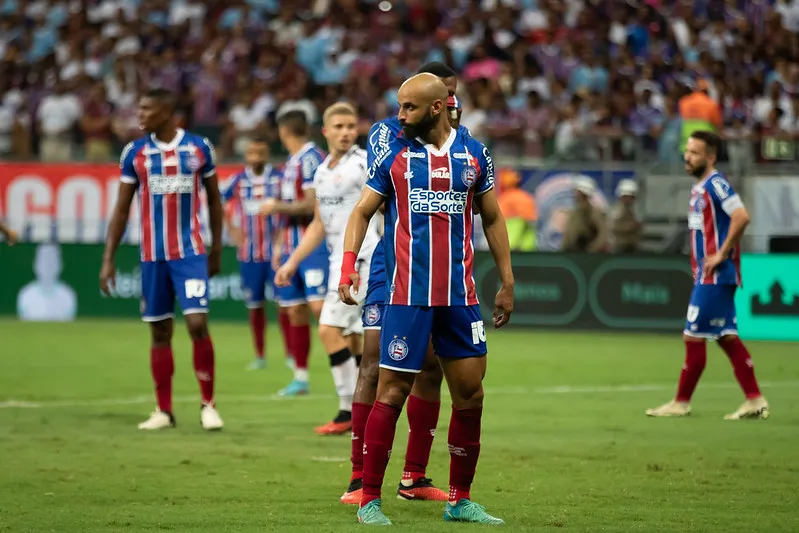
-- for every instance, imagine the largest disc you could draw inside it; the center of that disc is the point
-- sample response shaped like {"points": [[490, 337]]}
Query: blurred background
{"points": [[583, 103]]}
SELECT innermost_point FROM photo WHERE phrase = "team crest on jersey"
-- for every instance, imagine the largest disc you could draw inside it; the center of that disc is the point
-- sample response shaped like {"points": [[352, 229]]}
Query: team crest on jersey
{"points": [[469, 176], [398, 349], [371, 314], [701, 204], [194, 163]]}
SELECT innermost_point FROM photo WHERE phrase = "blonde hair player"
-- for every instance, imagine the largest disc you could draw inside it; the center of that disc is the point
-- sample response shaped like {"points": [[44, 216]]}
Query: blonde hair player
{"points": [[338, 182]]}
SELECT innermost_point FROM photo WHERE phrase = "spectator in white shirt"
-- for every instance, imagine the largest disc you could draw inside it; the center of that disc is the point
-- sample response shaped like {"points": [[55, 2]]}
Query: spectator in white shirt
{"points": [[57, 117], [244, 122]]}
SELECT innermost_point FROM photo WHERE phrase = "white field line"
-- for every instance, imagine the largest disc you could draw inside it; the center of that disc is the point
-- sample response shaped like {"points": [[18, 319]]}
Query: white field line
{"points": [[490, 391]]}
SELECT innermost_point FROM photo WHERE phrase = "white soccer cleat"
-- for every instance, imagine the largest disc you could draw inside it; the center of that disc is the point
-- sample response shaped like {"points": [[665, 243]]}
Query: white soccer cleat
{"points": [[672, 408], [754, 408], [158, 420], [210, 419]]}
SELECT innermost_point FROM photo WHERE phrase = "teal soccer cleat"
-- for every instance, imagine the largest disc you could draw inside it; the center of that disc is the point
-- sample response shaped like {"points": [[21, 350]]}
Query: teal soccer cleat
{"points": [[468, 511], [295, 388], [371, 514]]}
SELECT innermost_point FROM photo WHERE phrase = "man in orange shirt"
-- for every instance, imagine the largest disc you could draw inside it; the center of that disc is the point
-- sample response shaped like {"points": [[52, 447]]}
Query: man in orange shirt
{"points": [[699, 112], [518, 208]]}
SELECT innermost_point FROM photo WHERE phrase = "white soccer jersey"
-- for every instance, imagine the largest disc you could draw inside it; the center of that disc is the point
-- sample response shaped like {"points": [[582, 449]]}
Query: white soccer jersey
{"points": [[337, 191]]}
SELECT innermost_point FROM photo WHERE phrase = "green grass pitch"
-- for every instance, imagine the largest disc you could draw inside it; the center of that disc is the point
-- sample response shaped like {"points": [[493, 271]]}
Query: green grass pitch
{"points": [[566, 446]]}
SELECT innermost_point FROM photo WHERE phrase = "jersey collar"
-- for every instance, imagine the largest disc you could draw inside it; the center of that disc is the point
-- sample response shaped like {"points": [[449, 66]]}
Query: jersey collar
{"points": [[307, 146], [171, 145], [701, 184], [444, 148], [255, 178]]}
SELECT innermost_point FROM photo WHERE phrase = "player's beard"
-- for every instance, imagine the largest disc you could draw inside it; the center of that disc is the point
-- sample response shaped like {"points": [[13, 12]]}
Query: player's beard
{"points": [[421, 128], [699, 170]]}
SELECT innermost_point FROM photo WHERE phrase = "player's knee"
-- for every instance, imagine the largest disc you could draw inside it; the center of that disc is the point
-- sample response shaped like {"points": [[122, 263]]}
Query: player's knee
{"points": [[394, 392], [197, 326], [330, 336], [298, 315], [468, 395], [727, 339], [160, 334]]}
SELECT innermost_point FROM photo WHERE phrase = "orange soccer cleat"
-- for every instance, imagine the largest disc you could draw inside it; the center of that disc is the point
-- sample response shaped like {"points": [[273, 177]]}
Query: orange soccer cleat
{"points": [[354, 493], [422, 490], [334, 428]]}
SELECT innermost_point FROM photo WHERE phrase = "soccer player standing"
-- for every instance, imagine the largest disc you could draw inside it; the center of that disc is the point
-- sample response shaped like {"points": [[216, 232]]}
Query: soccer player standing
{"points": [[716, 219], [429, 179], [168, 167], [424, 402], [254, 235], [338, 183], [308, 287]]}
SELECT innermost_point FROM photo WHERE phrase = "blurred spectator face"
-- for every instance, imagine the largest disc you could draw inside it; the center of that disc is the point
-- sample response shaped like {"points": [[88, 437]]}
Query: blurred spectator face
{"points": [[256, 155], [341, 131], [627, 199], [581, 199], [697, 158]]}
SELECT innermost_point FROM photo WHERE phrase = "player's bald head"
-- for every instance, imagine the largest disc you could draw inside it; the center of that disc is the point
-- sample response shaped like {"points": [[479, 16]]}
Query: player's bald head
{"points": [[424, 87], [423, 103]]}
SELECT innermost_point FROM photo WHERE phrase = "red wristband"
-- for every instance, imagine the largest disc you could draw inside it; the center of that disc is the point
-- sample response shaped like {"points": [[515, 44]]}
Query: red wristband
{"points": [[347, 268]]}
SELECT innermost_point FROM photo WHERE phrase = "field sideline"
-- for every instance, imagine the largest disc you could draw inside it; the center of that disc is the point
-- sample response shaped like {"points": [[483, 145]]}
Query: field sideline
{"points": [[565, 444]]}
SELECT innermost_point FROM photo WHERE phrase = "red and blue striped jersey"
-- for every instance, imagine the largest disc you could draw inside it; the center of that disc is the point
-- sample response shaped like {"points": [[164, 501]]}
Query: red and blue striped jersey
{"points": [[713, 200], [169, 177], [245, 192], [428, 224], [297, 177]]}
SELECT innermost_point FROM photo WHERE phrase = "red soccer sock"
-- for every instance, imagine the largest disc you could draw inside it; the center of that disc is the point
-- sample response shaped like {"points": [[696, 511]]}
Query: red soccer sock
{"points": [[301, 345], [742, 364], [422, 419], [695, 359], [285, 330], [204, 368], [258, 327], [464, 450], [360, 414], [378, 439], [162, 365]]}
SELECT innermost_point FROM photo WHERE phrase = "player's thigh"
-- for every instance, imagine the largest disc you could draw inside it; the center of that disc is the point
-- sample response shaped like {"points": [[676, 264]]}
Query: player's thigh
{"points": [[459, 340], [253, 282], [404, 337], [157, 292], [190, 283], [711, 312]]}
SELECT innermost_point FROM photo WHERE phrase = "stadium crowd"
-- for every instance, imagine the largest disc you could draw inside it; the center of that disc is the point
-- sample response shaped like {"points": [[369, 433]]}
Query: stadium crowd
{"points": [[575, 78]]}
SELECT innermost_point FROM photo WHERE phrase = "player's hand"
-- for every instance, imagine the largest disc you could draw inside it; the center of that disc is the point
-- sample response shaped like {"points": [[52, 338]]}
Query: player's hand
{"points": [[711, 263], [350, 280], [107, 277], [236, 236], [214, 262], [284, 274], [503, 306], [12, 237], [348, 288], [267, 208]]}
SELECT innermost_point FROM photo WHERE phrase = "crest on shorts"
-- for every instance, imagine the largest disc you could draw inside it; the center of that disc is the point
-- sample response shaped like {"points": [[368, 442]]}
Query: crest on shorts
{"points": [[398, 349], [371, 314], [469, 175]]}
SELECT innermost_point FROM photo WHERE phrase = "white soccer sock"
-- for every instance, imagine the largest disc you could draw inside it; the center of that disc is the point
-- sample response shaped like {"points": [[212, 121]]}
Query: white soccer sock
{"points": [[301, 374], [345, 375]]}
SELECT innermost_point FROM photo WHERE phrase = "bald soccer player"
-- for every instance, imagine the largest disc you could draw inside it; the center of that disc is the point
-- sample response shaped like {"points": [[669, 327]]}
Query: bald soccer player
{"points": [[429, 178]]}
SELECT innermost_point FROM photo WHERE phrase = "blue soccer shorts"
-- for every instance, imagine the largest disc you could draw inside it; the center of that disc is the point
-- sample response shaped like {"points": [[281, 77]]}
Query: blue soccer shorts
{"points": [[457, 332], [164, 281], [257, 282], [711, 312], [309, 283], [374, 306]]}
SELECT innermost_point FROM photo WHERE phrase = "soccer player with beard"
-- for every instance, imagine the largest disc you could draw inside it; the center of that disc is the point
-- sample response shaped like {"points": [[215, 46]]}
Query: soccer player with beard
{"points": [[429, 179], [716, 219], [167, 167], [424, 402]]}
